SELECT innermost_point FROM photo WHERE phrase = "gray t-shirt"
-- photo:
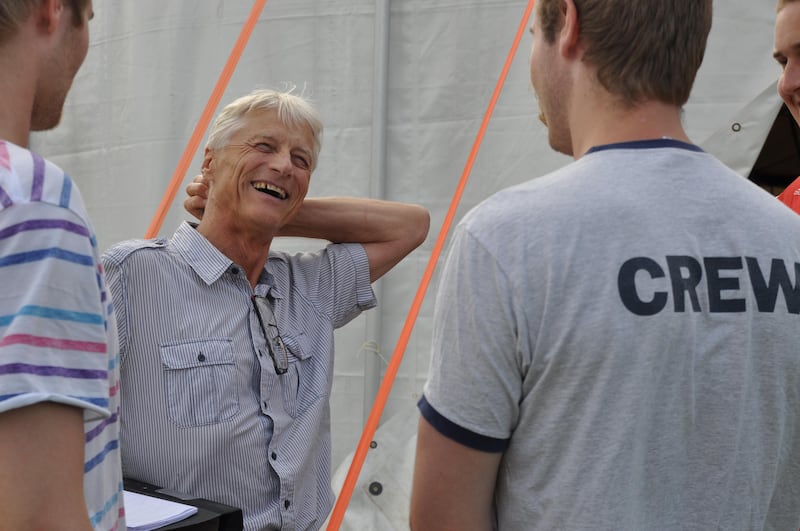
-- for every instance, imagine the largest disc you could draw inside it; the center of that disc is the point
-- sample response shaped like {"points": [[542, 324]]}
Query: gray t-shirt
{"points": [[623, 329]]}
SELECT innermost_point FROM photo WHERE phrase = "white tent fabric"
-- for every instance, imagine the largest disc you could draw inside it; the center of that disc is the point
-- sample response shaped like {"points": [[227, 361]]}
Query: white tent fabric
{"points": [[152, 65]]}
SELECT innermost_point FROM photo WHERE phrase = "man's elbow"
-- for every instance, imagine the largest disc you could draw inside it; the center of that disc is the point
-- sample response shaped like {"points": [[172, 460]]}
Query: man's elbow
{"points": [[420, 225]]}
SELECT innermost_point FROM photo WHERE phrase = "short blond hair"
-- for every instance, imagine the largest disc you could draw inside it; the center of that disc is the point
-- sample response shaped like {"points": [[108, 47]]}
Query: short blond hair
{"points": [[293, 111]]}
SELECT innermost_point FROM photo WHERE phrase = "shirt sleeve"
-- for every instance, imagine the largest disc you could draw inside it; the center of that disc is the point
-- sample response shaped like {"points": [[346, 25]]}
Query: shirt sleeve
{"points": [[336, 279], [53, 342], [474, 382]]}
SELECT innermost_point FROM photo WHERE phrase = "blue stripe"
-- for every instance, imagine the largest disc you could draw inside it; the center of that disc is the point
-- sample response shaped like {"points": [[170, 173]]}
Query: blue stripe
{"points": [[37, 185], [96, 460], [101, 426], [66, 191], [5, 199], [49, 370], [53, 252], [40, 224], [111, 504], [53, 313]]}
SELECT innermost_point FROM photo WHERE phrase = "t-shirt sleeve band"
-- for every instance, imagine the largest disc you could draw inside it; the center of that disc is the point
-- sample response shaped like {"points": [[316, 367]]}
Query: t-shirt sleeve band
{"points": [[461, 435]]}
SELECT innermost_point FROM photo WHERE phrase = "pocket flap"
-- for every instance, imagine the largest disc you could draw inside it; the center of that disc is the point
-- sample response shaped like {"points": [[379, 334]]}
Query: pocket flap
{"points": [[197, 353]]}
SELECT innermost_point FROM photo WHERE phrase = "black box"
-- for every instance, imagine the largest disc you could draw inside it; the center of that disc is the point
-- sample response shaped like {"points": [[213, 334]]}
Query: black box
{"points": [[210, 516]]}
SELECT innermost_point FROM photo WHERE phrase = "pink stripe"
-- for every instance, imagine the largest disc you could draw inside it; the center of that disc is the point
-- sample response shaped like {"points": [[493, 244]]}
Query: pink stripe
{"points": [[5, 159], [63, 344], [120, 516], [114, 389]]}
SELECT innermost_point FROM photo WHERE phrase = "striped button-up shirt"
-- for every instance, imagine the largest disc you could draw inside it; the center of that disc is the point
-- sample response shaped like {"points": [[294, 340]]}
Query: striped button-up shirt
{"points": [[203, 410]]}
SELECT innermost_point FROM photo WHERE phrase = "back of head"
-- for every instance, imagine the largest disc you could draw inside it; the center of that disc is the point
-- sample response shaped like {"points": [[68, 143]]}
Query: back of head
{"points": [[642, 50], [293, 111], [14, 12]]}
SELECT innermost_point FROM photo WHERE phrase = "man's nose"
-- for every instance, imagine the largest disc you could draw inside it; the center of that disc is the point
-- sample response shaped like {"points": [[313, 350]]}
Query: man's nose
{"points": [[790, 78], [281, 160]]}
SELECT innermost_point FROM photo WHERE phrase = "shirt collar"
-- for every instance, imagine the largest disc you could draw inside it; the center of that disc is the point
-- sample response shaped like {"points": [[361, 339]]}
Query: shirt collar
{"points": [[206, 260], [647, 144], [210, 264]]}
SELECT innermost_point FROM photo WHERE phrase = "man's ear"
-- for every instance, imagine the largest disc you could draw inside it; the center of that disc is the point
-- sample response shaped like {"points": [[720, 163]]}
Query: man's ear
{"points": [[48, 15], [569, 37], [208, 158]]}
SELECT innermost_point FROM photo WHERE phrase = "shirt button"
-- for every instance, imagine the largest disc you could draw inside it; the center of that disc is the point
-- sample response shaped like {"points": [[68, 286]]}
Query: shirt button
{"points": [[201, 357], [234, 270], [274, 455], [286, 504], [265, 406]]}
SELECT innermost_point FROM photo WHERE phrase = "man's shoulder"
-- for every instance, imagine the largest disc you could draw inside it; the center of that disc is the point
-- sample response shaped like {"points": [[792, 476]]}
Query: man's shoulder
{"points": [[27, 178], [121, 251]]}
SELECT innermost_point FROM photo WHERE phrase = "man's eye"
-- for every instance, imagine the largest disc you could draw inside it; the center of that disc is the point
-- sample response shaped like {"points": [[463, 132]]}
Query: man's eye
{"points": [[301, 162], [263, 146]]}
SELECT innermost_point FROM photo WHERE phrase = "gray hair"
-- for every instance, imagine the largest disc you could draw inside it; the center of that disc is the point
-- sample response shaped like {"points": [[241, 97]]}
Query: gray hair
{"points": [[293, 111]]}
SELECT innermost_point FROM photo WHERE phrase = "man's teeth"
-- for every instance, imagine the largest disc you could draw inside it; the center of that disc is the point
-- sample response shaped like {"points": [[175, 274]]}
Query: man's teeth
{"points": [[270, 189]]}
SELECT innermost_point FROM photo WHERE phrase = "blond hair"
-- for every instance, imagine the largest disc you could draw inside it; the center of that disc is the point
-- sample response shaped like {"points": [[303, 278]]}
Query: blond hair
{"points": [[293, 111]]}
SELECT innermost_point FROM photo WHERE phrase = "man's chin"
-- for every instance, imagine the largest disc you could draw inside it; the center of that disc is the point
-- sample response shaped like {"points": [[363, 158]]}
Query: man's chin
{"points": [[45, 123]]}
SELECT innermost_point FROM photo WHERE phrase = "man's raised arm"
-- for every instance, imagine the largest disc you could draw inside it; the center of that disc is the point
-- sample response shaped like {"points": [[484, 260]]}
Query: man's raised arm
{"points": [[388, 230]]}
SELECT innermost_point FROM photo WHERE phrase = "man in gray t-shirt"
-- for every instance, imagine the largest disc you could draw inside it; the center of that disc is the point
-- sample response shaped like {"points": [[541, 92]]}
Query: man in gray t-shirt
{"points": [[614, 343]]}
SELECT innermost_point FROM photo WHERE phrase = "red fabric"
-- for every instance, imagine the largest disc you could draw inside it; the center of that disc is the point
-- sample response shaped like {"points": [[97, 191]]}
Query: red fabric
{"points": [[791, 196]]}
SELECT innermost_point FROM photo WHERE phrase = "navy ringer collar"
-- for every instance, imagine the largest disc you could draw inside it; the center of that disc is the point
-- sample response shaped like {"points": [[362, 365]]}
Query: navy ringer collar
{"points": [[647, 144]]}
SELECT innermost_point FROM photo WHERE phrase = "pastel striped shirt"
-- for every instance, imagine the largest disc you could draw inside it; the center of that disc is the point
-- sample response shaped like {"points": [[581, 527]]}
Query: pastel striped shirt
{"points": [[204, 412], [58, 338]]}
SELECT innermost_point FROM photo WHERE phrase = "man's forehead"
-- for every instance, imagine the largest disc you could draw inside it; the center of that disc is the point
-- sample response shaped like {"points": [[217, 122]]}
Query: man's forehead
{"points": [[267, 123]]}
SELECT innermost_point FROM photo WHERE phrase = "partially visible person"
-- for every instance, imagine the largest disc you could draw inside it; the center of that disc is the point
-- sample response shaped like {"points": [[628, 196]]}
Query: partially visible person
{"points": [[227, 344], [59, 456], [615, 343], [787, 53]]}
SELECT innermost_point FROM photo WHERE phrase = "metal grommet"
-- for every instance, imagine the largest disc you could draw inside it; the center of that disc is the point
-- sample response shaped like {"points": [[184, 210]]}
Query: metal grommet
{"points": [[736, 127], [375, 488], [373, 444]]}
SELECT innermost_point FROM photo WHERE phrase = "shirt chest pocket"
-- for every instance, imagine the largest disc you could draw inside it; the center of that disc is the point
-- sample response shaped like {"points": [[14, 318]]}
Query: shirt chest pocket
{"points": [[302, 387], [200, 381]]}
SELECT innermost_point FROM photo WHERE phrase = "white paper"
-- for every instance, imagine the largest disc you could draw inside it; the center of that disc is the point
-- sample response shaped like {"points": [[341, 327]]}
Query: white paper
{"points": [[145, 513]]}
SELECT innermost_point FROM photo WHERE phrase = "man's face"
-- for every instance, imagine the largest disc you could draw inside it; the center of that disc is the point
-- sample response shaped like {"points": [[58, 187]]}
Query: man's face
{"points": [[787, 53], [551, 86], [68, 53], [260, 178]]}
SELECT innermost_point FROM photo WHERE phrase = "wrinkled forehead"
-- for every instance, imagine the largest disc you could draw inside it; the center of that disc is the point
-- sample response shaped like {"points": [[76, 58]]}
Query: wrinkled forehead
{"points": [[267, 122]]}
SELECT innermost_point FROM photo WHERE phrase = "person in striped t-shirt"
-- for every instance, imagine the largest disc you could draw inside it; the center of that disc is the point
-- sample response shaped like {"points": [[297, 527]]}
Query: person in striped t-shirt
{"points": [[59, 375]]}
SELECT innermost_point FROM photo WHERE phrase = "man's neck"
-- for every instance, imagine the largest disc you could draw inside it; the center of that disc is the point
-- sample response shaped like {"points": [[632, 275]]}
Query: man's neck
{"points": [[250, 253], [601, 120], [17, 90]]}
